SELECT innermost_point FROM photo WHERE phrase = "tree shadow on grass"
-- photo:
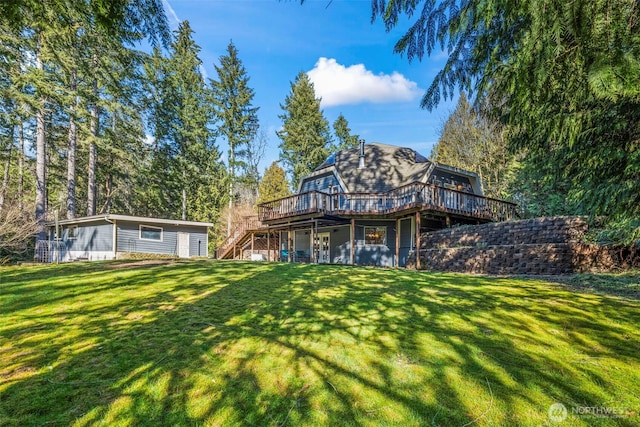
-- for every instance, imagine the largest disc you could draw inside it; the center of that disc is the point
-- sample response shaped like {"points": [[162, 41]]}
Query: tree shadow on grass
{"points": [[280, 344]]}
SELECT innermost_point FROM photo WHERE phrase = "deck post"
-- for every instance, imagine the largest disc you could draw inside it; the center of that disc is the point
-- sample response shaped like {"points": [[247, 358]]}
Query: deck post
{"points": [[312, 252], [447, 220], [352, 236], [268, 244], [279, 251], [418, 261], [290, 245], [397, 242]]}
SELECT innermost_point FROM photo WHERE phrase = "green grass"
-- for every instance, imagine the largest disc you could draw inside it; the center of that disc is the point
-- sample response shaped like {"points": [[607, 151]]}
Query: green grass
{"points": [[269, 344]]}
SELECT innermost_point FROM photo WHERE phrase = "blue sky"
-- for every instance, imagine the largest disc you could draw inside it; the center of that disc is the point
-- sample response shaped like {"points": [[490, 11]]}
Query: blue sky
{"points": [[349, 59]]}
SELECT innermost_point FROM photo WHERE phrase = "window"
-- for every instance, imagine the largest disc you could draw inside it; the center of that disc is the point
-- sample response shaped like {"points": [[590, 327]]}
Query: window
{"points": [[72, 232], [375, 235], [150, 233]]}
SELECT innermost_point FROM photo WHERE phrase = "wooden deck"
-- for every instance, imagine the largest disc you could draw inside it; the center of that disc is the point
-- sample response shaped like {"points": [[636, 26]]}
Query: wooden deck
{"points": [[416, 196]]}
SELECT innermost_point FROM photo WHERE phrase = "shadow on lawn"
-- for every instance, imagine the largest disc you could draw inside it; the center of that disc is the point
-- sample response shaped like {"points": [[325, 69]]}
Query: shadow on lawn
{"points": [[278, 344]]}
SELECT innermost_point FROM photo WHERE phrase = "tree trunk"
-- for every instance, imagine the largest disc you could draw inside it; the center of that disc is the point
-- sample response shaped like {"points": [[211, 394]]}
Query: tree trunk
{"points": [[184, 204], [21, 169], [184, 195], [109, 190], [41, 185], [71, 152], [93, 151], [5, 177], [231, 179]]}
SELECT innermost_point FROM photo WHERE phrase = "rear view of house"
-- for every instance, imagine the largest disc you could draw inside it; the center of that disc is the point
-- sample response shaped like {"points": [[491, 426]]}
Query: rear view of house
{"points": [[368, 206], [105, 237]]}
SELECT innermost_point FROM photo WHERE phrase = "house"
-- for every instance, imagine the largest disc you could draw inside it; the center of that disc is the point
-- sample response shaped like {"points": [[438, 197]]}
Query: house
{"points": [[368, 206], [104, 237]]}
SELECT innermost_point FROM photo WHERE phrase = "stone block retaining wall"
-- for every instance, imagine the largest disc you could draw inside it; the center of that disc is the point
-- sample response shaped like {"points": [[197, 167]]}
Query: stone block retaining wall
{"points": [[534, 246]]}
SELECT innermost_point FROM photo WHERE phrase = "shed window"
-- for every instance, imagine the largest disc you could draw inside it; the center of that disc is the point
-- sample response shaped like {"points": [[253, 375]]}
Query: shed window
{"points": [[375, 235], [72, 232], [148, 232]]}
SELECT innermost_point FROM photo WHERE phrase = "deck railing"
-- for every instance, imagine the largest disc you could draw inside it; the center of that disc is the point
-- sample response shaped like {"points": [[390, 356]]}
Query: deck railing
{"points": [[239, 231], [416, 195]]}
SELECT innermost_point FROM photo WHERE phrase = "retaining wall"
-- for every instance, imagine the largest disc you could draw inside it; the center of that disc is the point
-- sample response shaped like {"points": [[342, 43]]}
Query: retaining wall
{"points": [[534, 246]]}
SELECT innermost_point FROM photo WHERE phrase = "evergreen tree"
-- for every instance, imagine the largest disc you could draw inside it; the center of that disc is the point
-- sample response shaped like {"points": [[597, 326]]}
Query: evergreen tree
{"points": [[232, 98], [472, 141], [566, 76], [343, 134], [191, 141], [44, 30], [306, 139], [274, 184], [153, 186]]}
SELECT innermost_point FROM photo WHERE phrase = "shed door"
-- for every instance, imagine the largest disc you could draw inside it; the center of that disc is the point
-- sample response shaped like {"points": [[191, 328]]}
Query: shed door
{"points": [[183, 244]]}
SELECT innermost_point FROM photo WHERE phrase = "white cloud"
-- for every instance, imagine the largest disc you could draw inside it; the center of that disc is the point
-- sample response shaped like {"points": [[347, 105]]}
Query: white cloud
{"points": [[174, 21], [337, 84]]}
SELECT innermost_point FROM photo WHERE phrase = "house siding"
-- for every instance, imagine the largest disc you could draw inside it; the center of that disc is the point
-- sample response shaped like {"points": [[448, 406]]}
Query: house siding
{"points": [[340, 245], [197, 234], [321, 183], [93, 241], [90, 237], [129, 239], [379, 255], [406, 241]]}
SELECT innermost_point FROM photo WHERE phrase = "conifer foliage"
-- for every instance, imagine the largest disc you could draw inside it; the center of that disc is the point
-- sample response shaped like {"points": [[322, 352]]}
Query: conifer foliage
{"points": [[305, 136], [563, 76]]}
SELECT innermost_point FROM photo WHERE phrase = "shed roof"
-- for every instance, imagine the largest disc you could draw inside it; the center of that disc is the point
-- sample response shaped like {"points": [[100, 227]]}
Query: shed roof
{"points": [[141, 219], [385, 167]]}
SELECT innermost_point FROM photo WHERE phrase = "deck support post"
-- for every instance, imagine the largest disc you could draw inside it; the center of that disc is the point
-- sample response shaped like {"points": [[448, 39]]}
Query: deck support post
{"points": [[290, 245], [397, 242], [352, 236], [268, 244], [279, 251], [418, 260], [447, 221], [312, 251]]}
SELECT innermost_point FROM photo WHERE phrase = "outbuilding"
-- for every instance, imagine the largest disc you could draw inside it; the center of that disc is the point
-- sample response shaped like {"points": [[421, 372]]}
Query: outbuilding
{"points": [[106, 237]]}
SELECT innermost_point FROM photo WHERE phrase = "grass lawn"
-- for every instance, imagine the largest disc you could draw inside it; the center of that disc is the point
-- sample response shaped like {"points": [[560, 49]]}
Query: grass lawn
{"points": [[270, 344]]}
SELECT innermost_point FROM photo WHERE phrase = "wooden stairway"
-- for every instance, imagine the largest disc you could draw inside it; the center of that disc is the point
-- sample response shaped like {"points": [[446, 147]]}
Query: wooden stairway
{"points": [[239, 237]]}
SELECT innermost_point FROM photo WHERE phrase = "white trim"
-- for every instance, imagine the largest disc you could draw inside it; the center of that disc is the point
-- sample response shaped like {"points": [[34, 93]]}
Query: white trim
{"points": [[332, 169], [110, 218], [152, 227]]}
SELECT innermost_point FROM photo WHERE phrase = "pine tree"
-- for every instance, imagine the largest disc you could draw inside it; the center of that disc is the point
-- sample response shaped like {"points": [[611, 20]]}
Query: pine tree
{"points": [[564, 76], [274, 184], [306, 139], [343, 134], [232, 98], [191, 141]]}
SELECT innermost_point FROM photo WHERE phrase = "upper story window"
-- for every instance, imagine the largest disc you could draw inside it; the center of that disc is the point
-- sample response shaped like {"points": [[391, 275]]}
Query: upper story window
{"points": [[148, 232]]}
